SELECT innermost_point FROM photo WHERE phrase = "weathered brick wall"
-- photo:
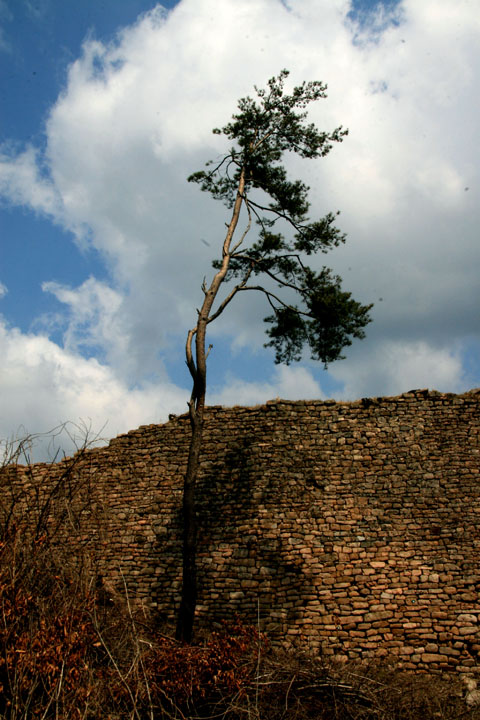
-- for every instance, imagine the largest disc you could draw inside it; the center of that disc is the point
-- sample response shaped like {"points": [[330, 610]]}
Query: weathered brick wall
{"points": [[353, 528]]}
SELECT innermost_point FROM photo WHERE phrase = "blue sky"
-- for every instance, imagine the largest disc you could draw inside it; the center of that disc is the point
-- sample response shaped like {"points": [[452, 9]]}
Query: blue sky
{"points": [[106, 107]]}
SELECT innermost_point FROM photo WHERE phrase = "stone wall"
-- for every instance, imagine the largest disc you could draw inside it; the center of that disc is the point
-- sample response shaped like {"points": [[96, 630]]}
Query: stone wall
{"points": [[353, 529]]}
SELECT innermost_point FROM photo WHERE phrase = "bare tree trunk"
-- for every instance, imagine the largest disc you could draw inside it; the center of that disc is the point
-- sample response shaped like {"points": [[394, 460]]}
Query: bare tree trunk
{"points": [[190, 526], [188, 602], [198, 371]]}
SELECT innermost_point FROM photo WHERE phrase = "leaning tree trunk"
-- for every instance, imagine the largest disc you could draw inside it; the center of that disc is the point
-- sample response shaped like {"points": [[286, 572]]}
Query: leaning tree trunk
{"points": [[186, 613], [188, 602], [198, 371]]}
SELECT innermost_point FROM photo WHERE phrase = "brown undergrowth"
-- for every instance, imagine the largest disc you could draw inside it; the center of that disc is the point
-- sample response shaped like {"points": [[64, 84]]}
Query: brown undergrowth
{"points": [[70, 649], [67, 651]]}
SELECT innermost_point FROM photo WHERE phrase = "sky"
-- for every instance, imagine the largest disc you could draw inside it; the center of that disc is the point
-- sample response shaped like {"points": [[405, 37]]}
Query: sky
{"points": [[107, 107]]}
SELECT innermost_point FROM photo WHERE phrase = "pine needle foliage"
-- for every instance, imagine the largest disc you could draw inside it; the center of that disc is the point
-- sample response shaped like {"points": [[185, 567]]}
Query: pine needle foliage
{"points": [[322, 316]]}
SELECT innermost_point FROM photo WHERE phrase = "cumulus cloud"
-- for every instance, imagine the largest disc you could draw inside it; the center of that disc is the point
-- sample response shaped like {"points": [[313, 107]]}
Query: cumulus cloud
{"points": [[92, 319], [23, 183], [392, 367], [135, 118], [288, 383], [44, 385]]}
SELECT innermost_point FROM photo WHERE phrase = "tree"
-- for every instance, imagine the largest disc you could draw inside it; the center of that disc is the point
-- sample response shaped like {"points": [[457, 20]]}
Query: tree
{"points": [[313, 310]]}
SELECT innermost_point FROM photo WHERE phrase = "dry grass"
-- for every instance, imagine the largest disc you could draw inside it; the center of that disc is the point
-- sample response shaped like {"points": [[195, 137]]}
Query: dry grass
{"points": [[69, 651], [301, 688], [66, 652]]}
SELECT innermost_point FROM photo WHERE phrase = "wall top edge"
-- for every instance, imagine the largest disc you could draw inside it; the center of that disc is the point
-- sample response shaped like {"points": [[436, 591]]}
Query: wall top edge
{"points": [[416, 394], [275, 404]]}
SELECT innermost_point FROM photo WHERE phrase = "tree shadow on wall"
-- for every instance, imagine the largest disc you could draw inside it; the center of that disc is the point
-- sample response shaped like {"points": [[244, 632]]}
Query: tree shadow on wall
{"points": [[242, 556]]}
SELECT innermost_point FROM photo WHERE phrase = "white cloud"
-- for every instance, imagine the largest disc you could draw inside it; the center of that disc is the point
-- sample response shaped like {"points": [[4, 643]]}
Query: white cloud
{"points": [[3, 290], [287, 383], [22, 182], [135, 119], [43, 386], [93, 319], [393, 367]]}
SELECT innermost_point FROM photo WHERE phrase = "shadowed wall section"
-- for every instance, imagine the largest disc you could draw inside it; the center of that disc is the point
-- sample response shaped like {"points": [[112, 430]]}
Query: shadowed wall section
{"points": [[353, 529]]}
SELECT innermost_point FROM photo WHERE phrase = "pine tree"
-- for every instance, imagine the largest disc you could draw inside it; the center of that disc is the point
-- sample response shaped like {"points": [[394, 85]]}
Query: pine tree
{"points": [[308, 307]]}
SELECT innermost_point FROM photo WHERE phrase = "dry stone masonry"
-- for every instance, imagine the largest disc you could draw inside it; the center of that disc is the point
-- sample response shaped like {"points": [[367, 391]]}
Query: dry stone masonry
{"points": [[351, 528]]}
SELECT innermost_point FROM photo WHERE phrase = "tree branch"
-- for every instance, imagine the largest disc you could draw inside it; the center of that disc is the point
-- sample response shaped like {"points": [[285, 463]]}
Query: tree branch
{"points": [[189, 355], [247, 229], [271, 295], [298, 227], [230, 296], [234, 220], [272, 275]]}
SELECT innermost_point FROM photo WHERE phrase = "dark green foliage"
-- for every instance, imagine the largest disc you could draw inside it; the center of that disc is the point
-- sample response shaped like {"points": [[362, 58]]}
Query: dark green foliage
{"points": [[333, 316], [313, 309]]}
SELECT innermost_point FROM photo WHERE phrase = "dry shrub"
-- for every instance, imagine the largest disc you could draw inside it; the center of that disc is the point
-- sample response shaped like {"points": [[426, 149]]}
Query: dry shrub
{"points": [[64, 653], [67, 650], [195, 677], [303, 688], [45, 632]]}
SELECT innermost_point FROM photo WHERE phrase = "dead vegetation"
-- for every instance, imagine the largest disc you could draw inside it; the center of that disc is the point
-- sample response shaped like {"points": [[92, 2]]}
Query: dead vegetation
{"points": [[70, 649]]}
